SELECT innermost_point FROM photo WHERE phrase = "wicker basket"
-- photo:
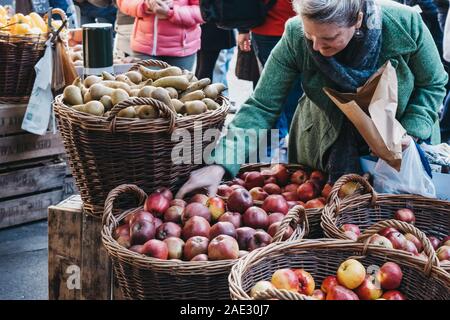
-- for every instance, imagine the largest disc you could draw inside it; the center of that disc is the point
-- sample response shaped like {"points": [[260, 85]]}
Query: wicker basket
{"points": [[107, 152], [142, 277], [421, 279], [432, 215]]}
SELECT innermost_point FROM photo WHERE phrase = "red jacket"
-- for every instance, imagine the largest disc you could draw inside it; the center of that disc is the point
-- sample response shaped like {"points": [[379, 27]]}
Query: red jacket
{"points": [[276, 18], [178, 36]]}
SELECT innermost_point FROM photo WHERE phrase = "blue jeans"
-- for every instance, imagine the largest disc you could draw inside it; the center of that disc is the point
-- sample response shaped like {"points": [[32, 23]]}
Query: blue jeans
{"points": [[445, 120], [180, 62], [89, 13], [263, 45], [222, 66]]}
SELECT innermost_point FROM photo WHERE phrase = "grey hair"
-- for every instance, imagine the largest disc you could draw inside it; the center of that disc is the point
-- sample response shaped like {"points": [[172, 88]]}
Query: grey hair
{"points": [[344, 13]]}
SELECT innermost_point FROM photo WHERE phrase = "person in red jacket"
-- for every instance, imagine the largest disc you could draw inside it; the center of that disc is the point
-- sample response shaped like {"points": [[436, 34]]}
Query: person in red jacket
{"points": [[263, 39], [167, 30]]}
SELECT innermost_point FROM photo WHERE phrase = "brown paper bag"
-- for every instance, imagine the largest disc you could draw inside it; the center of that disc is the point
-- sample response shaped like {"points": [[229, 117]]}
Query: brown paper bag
{"points": [[372, 111]]}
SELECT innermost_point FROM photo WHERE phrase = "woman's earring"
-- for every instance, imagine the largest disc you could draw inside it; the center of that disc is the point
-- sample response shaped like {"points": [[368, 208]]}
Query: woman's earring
{"points": [[359, 34]]}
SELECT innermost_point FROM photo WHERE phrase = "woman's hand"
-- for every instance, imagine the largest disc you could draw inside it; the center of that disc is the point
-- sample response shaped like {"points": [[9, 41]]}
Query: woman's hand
{"points": [[208, 177], [162, 9], [151, 4], [244, 41]]}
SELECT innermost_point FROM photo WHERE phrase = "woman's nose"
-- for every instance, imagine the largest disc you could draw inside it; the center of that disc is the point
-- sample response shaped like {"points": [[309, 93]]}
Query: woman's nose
{"points": [[316, 44]]}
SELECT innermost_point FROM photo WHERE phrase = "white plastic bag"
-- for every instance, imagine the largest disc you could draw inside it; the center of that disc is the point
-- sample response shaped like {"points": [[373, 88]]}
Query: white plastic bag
{"points": [[412, 177]]}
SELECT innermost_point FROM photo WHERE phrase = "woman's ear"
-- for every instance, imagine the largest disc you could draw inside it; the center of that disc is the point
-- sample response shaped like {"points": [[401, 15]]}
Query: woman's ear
{"points": [[360, 20]]}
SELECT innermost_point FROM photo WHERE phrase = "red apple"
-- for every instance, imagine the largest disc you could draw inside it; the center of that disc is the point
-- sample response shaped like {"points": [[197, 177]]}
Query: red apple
{"points": [[285, 279], [319, 295], [328, 283], [381, 241], [398, 240], [237, 182], [156, 249], [222, 228], [157, 222], [255, 217], [291, 187], [195, 209], [434, 242], [199, 198], [275, 203], [299, 177], [390, 276], [443, 253], [175, 247], [254, 179], [290, 196], [242, 253], [167, 230], [273, 228], [351, 274], [319, 176], [174, 214], [260, 286], [326, 190], [445, 241], [394, 295], [124, 241], [196, 226], [369, 289], [275, 217], [411, 248], [281, 173], [235, 187], [405, 215], [272, 188], [165, 192], [292, 204], [259, 239], [348, 189], [307, 191], [195, 246], [258, 194], [234, 217], [141, 231], [351, 227], [244, 175], [351, 235], [224, 191], [341, 293], [223, 247], [141, 215], [243, 235], [178, 203], [200, 257], [270, 180], [314, 204], [123, 230], [216, 206], [386, 231], [156, 204], [137, 248], [306, 284], [239, 201]]}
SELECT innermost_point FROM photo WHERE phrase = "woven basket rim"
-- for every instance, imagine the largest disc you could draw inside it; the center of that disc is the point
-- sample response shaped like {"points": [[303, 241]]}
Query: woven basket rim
{"points": [[253, 258]]}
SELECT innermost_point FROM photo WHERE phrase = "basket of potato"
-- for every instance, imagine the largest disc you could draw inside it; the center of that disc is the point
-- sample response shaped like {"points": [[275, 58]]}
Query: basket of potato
{"points": [[123, 129]]}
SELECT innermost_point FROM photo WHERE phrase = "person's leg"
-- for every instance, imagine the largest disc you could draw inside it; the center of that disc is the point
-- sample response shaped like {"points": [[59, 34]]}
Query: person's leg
{"points": [[206, 60], [445, 121], [181, 62], [222, 66]]}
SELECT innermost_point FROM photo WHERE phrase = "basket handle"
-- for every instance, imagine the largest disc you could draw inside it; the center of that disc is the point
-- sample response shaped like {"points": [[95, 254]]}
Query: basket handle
{"points": [[407, 228], [280, 294], [295, 216], [150, 63], [108, 215], [163, 109], [57, 11], [333, 198]]}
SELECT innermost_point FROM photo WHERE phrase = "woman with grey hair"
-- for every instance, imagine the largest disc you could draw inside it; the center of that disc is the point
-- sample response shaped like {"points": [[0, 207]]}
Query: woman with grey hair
{"points": [[337, 44]]}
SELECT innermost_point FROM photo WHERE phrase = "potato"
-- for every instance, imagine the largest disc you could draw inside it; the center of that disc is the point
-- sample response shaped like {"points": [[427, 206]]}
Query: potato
{"points": [[72, 95], [177, 82], [156, 74], [196, 95], [195, 107]]}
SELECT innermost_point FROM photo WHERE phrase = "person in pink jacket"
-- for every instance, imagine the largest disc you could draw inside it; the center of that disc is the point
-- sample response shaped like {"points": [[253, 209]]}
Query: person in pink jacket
{"points": [[167, 30]]}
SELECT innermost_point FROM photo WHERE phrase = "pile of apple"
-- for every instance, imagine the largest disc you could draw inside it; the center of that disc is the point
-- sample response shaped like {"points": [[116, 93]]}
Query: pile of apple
{"points": [[201, 229], [278, 184], [393, 239], [351, 282]]}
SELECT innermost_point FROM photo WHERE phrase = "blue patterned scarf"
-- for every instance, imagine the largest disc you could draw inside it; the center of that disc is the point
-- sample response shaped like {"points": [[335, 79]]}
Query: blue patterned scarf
{"points": [[352, 67]]}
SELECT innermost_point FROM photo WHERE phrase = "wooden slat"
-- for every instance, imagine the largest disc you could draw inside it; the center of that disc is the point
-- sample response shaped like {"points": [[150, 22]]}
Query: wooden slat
{"points": [[40, 178], [27, 209], [11, 117], [64, 247], [29, 146], [69, 187]]}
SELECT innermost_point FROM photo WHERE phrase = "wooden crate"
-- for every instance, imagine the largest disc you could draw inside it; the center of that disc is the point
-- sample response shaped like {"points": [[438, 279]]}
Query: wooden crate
{"points": [[75, 248]]}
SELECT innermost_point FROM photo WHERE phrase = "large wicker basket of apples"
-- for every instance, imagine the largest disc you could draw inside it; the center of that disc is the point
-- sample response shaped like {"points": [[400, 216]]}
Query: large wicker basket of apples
{"points": [[172, 249], [357, 219], [337, 270], [123, 129]]}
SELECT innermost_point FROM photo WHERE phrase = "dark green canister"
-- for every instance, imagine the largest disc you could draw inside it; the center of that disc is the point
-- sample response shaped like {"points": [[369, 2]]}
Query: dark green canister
{"points": [[97, 48]]}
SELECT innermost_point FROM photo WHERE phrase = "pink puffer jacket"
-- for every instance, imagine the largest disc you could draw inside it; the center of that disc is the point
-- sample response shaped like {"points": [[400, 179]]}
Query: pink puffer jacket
{"points": [[177, 36]]}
